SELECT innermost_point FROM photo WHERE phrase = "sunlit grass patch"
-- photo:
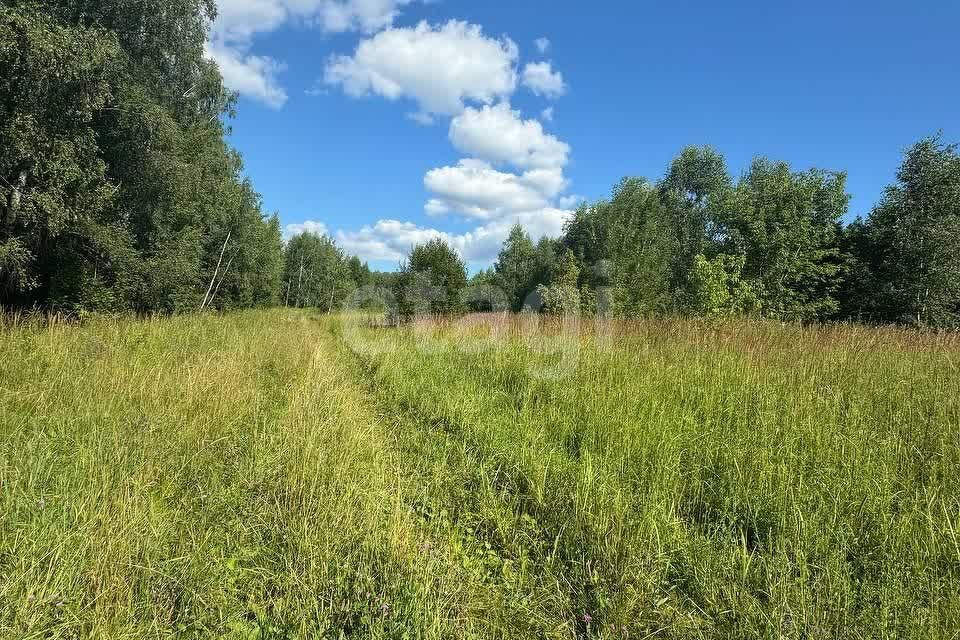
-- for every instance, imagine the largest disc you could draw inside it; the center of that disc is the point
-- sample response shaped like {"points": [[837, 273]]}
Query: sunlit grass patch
{"points": [[285, 474]]}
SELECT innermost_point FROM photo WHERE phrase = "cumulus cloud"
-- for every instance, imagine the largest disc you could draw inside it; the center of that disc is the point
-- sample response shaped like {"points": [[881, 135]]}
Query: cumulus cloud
{"points": [[386, 240], [391, 240], [482, 244], [239, 21], [499, 134], [439, 67], [514, 172], [547, 114], [571, 201], [540, 78], [477, 190], [358, 15], [250, 75], [307, 226]]}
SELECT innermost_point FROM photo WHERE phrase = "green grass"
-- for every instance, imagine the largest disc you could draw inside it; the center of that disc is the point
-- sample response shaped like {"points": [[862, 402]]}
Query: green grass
{"points": [[285, 475]]}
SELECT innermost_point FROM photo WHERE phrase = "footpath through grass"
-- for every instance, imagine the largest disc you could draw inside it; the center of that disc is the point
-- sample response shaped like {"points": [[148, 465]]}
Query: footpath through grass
{"points": [[285, 475]]}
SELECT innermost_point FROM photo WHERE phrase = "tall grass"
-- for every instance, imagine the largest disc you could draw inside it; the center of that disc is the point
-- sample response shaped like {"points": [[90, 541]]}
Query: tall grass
{"points": [[202, 477], [687, 480], [278, 474]]}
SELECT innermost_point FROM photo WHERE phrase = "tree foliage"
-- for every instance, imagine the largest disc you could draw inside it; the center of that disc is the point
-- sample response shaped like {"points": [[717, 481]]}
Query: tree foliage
{"points": [[787, 226], [515, 267], [694, 193], [632, 233], [906, 255], [431, 281], [117, 189], [317, 273]]}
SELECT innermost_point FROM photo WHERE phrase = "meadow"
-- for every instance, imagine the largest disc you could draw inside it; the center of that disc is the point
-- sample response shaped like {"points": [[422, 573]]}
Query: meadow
{"points": [[286, 474]]}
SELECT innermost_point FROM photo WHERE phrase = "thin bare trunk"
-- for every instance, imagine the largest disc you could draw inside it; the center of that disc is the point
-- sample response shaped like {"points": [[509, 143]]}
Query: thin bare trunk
{"points": [[300, 279], [226, 270], [216, 272], [13, 205]]}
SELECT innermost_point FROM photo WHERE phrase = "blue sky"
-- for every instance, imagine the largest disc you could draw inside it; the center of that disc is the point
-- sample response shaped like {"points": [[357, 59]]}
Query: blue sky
{"points": [[385, 122]]}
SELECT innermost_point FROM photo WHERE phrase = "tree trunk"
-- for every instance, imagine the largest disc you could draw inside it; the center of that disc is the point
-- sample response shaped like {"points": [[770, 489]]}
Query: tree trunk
{"points": [[226, 270], [300, 280], [215, 273], [13, 204]]}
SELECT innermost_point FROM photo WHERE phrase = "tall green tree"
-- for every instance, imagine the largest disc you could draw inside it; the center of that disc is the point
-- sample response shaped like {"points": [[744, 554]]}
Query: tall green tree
{"points": [[118, 190], [316, 273], [55, 79], [562, 296], [694, 192], [787, 227], [626, 243], [515, 267], [545, 258], [907, 253], [432, 280]]}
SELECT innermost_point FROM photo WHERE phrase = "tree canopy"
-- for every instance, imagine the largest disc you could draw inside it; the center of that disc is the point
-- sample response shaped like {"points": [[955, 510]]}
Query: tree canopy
{"points": [[906, 255], [117, 189], [432, 280]]}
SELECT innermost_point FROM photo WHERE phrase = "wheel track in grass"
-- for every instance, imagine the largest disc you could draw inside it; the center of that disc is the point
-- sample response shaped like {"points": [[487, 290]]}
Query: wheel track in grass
{"points": [[436, 456], [494, 486], [485, 609]]}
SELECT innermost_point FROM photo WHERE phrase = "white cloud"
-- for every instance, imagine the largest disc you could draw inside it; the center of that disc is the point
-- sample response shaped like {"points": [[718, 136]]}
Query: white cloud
{"points": [[571, 201], [439, 67], [499, 134], [239, 21], [421, 118], [386, 240], [474, 188], [540, 78], [358, 15], [451, 69], [250, 75], [547, 114], [391, 240], [543, 44], [482, 244], [477, 190], [307, 226]]}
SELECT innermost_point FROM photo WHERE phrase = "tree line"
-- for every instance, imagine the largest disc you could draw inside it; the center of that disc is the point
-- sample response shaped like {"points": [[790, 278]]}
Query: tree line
{"points": [[117, 189], [118, 192], [771, 244]]}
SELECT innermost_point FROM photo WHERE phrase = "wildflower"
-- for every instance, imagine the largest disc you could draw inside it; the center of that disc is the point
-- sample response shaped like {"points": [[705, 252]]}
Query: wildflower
{"points": [[587, 618]]}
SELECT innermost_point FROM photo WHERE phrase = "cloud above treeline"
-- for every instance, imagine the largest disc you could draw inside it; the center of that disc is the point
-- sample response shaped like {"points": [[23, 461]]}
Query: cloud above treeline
{"points": [[439, 68], [512, 170], [240, 21]]}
